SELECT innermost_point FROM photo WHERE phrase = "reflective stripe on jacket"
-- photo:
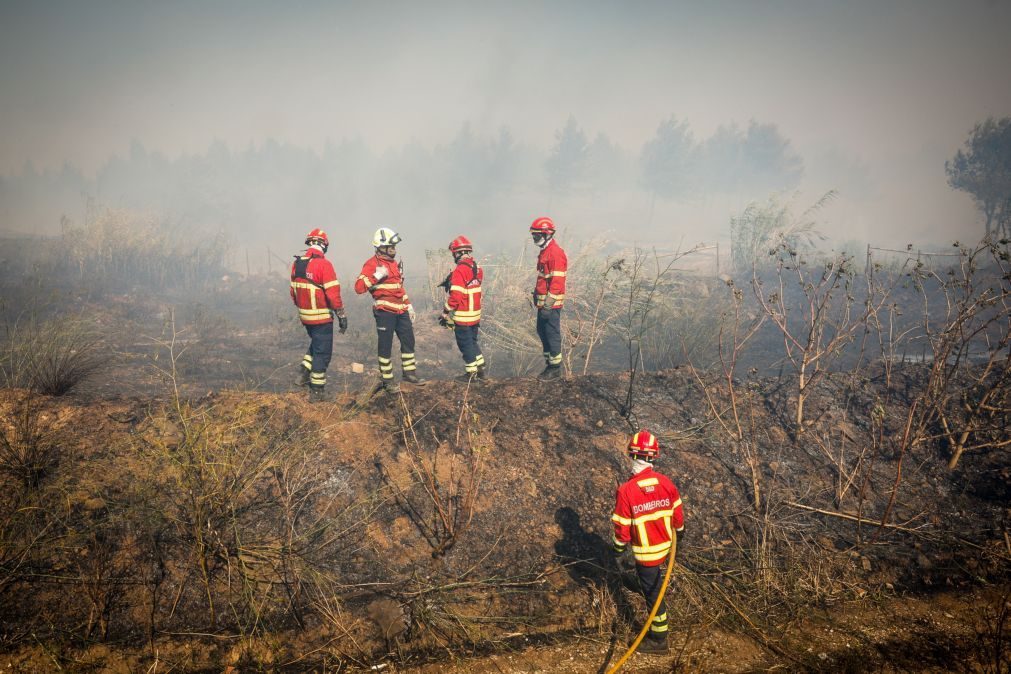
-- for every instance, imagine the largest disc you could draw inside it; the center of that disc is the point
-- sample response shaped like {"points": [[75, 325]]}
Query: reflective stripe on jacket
{"points": [[388, 293], [647, 510], [464, 299], [552, 266], [316, 291]]}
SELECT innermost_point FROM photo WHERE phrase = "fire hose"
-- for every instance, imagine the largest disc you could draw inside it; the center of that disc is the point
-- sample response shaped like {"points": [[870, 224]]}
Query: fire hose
{"points": [[652, 613]]}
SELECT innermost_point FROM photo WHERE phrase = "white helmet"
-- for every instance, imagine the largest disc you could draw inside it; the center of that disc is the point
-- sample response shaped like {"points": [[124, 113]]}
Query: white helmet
{"points": [[385, 237]]}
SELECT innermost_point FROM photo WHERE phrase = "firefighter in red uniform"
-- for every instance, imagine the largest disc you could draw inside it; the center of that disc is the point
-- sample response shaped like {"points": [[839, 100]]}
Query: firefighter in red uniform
{"points": [[462, 311], [647, 514], [383, 277], [316, 292], [549, 294]]}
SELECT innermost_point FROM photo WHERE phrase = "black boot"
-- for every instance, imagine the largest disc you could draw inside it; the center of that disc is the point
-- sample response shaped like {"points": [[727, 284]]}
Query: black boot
{"points": [[482, 373], [411, 377], [466, 377], [387, 386], [317, 394], [652, 646], [551, 372], [303, 376]]}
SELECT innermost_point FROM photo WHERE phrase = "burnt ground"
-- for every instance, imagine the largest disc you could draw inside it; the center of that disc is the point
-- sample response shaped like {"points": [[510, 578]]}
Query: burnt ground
{"points": [[517, 576]]}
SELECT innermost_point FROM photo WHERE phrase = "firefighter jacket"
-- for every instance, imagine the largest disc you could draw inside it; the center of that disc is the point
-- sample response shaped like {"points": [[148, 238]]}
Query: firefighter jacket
{"points": [[388, 293], [315, 289], [464, 300], [552, 265], [647, 510]]}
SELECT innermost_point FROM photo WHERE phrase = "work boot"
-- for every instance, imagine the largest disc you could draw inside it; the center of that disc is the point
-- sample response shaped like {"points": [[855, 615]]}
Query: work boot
{"points": [[651, 646], [317, 394], [466, 377], [551, 372], [303, 376], [482, 373], [412, 377], [388, 386]]}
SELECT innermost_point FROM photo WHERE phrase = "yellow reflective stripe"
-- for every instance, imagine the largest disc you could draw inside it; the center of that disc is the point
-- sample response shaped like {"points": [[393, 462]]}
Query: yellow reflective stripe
{"points": [[394, 305], [624, 521], [650, 557], [617, 542], [555, 273], [677, 504], [363, 277], [331, 284], [651, 548], [304, 285], [314, 313], [649, 482], [388, 286], [654, 516], [466, 291], [460, 313]]}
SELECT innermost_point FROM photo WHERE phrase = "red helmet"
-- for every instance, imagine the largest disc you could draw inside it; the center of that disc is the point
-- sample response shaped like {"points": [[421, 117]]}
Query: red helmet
{"points": [[644, 445], [460, 244], [317, 235], [542, 226]]}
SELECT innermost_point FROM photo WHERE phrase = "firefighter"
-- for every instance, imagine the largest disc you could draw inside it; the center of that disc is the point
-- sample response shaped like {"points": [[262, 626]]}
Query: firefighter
{"points": [[462, 311], [383, 277], [549, 294], [316, 292], [647, 513]]}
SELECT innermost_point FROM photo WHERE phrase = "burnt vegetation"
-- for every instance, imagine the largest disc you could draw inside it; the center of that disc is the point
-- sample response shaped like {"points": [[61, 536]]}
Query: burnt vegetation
{"points": [[838, 425]]}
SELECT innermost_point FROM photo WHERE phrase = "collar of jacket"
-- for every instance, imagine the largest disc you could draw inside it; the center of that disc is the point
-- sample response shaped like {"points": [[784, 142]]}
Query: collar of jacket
{"points": [[638, 467], [313, 251]]}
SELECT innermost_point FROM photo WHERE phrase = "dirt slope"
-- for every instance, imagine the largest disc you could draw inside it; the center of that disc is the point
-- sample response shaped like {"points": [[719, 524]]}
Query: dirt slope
{"points": [[488, 534]]}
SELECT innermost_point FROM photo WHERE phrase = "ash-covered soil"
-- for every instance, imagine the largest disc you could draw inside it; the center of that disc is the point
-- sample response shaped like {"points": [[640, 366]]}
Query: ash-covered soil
{"points": [[466, 528]]}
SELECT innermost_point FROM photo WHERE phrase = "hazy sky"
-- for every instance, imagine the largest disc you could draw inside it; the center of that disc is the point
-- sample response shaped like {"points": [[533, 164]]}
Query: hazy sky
{"points": [[890, 88]]}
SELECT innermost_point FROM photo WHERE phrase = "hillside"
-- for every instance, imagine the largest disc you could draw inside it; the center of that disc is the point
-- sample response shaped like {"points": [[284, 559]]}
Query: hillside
{"points": [[452, 522]]}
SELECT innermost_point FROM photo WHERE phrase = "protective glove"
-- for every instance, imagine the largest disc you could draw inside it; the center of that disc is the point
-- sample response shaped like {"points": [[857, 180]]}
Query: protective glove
{"points": [[342, 321], [446, 282], [533, 300], [380, 273], [411, 313], [446, 320]]}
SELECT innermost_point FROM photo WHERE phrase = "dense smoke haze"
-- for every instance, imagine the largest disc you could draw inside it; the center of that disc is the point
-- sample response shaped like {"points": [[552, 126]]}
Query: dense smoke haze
{"points": [[652, 122]]}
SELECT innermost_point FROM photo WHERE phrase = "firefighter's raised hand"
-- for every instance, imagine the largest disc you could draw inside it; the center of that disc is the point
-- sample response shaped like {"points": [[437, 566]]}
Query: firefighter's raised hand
{"points": [[381, 273]]}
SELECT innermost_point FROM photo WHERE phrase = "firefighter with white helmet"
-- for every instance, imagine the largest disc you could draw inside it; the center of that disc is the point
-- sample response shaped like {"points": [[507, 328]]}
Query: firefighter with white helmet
{"points": [[382, 277], [648, 514], [549, 294], [316, 292], [462, 311]]}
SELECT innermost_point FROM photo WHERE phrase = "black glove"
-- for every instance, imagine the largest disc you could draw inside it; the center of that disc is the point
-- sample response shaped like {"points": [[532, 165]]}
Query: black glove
{"points": [[446, 282], [342, 321]]}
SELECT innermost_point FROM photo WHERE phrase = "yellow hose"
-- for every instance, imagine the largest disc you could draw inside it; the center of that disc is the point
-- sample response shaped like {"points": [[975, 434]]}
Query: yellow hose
{"points": [[656, 606]]}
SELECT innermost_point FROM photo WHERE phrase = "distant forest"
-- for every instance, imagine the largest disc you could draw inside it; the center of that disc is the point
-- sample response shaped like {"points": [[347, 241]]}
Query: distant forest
{"points": [[475, 183]]}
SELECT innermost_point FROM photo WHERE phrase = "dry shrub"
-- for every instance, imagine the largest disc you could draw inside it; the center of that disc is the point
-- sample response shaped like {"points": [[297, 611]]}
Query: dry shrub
{"points": [[993, 634], [51, 357], [29, 447], [118, 250]]}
